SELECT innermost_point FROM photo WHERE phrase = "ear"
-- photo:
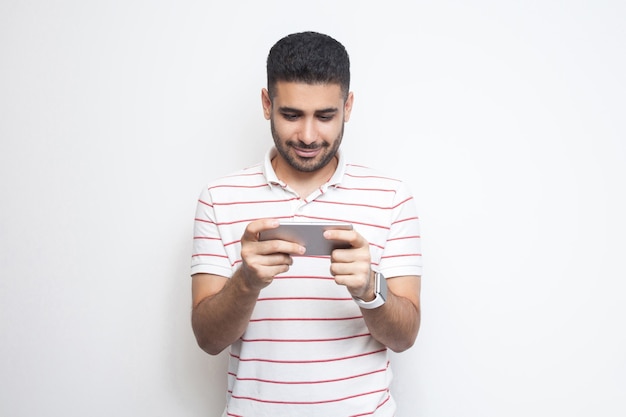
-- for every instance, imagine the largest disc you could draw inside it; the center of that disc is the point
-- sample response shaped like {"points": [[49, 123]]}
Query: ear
{"points": [[347, 107], [266, 101]]}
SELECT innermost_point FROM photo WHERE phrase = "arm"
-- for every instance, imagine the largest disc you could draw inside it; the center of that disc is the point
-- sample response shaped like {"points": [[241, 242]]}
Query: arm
{"points": [[396, 323], [221, 310], [221, 306]]}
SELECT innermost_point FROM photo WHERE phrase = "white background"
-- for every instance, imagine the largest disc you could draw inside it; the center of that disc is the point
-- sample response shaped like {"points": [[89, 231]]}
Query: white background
{"points": [[506, 118]]}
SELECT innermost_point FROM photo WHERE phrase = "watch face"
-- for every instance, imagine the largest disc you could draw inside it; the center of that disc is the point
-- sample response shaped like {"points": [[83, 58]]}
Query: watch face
{"points": [[381, 286]]}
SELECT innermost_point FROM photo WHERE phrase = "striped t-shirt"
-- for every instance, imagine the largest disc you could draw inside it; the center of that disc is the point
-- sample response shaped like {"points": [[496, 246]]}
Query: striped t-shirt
{"points": [[307, 350]]}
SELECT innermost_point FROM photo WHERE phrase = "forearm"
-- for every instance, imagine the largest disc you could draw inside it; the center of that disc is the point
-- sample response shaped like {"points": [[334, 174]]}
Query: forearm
{"points": [[395, 324], [221, 319]]}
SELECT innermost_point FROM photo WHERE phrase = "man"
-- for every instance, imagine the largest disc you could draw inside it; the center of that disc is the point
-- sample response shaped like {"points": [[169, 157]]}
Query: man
{"points": [[308, 335]]}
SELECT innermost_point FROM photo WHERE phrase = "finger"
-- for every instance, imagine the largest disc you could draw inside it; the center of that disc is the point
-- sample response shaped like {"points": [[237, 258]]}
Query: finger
{"points": [[277, 259], [342, 279], [350, 268], [349, 236], [267, 266], [354, 284], [252, 234], [280, 246], [352, 255], [255, 227]]}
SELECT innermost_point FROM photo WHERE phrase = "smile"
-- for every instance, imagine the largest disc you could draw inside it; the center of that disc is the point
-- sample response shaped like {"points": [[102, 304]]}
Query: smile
{"points": [[307, 153]]}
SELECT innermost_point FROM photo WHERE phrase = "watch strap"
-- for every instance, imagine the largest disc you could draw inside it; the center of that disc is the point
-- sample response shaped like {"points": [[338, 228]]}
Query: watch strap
{"points": [[380, 292]]}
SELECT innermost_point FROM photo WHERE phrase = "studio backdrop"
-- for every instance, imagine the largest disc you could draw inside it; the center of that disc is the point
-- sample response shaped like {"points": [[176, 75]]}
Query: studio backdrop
{"points": [[506, 120]]}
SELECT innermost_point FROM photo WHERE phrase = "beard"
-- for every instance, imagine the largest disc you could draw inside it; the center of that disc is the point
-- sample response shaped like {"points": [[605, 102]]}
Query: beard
{"points": [[306, 164]]}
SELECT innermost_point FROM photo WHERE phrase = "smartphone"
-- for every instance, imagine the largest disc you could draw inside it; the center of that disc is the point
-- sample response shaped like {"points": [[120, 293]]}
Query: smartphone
{"points": [[308, 234]]}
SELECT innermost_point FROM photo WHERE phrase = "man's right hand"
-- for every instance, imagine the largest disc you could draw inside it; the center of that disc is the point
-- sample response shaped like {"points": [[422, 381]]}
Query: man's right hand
{"points": [[263, 260]]}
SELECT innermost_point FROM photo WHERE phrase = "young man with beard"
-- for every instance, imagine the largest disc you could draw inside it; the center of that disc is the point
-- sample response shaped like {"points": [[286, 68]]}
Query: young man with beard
{"points": [[308, 335]]}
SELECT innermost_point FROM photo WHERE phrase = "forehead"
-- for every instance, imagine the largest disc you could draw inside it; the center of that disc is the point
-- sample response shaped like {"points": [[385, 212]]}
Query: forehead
{"points": [[305, 96]]}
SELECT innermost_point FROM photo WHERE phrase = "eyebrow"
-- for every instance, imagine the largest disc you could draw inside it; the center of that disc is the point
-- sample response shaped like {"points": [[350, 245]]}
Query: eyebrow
{"points": [[298, 111]]}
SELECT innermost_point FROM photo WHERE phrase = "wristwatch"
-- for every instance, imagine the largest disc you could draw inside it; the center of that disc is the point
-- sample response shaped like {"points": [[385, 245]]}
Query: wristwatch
{"points": [[380, 290]]}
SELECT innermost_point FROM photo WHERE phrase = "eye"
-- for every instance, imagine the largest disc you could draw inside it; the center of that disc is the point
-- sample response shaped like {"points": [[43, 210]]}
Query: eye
{"points": [[326, 117], [290, 116]]}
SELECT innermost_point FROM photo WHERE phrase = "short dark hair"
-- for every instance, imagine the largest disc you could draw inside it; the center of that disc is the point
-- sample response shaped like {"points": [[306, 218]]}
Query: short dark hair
{"points": [[308, 57]]}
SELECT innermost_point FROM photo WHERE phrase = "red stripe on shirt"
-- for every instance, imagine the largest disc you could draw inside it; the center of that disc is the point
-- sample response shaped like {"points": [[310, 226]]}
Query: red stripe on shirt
{"points": [[268, 381], [336, 339], [305, 319], [237, 186], [344, 358], [310, 402], [304, 298], [331, 219], [285, 200]]}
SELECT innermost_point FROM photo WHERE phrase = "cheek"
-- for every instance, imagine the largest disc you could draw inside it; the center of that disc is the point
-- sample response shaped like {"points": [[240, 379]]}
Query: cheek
{"points": [[286, 131], [330, 131], [281, 129]]}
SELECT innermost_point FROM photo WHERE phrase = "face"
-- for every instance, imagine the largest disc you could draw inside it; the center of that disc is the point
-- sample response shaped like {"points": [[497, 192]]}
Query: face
{"points": [[307, 123]]}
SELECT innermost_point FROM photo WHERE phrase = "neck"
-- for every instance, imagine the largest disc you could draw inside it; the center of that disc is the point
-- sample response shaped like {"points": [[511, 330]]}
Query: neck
{"points": [[303, 183]]}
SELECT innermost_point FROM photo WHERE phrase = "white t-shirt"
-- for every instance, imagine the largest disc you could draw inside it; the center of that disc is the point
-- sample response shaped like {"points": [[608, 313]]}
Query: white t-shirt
{"points": [[307, 350]]}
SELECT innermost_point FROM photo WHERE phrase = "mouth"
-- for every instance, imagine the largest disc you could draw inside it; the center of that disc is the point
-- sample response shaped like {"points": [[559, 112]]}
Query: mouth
{"points": [[307, 152]]}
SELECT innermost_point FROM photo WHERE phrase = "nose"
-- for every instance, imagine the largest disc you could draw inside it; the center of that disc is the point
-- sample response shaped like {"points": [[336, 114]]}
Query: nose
{"points": [[308, 131]]}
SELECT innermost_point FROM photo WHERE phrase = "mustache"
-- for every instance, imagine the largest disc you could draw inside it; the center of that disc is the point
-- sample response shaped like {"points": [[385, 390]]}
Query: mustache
{"points": [[302, 145]]}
